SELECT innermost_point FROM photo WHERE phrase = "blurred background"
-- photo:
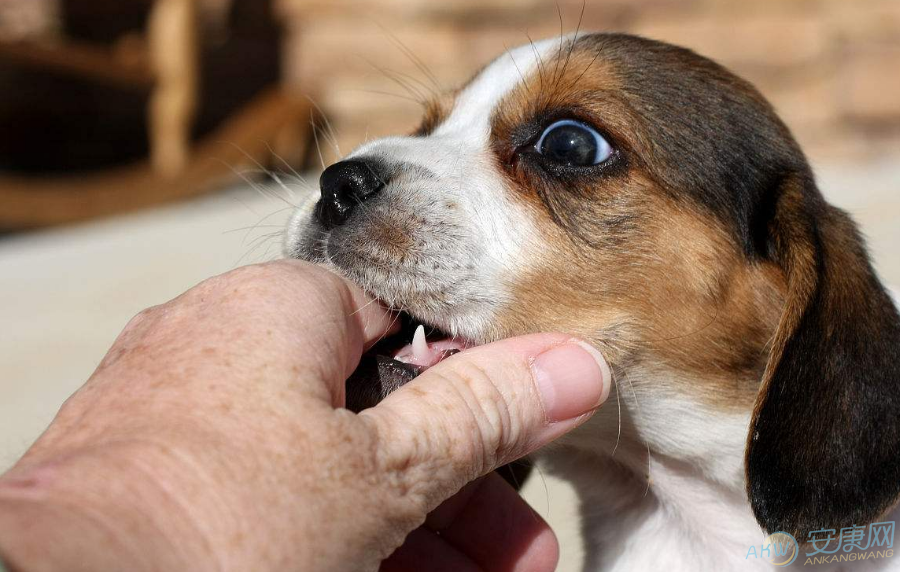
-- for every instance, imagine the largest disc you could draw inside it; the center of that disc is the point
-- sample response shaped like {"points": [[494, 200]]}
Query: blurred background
{"points": [[136, 137]]}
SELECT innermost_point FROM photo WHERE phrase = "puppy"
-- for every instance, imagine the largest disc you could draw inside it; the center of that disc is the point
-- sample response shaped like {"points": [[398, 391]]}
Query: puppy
{"points": [[644, 198]]}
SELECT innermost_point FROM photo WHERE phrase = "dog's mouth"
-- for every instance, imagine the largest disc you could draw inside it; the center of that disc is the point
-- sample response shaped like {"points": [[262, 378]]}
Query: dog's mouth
{"points": [[427, 346], [398, 359]]}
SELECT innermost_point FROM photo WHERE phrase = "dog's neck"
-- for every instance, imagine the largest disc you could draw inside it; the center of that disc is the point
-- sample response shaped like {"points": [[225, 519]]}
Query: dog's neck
{"points": [[666, 495], [651, 490], [678, 517]]}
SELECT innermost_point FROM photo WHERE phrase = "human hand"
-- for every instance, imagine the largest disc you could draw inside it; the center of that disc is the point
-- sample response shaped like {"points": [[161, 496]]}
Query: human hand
{"points": [[212, 437]]}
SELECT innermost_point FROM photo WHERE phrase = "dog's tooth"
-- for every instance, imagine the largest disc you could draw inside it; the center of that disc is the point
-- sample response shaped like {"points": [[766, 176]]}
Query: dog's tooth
{"points": [[420, 345]]}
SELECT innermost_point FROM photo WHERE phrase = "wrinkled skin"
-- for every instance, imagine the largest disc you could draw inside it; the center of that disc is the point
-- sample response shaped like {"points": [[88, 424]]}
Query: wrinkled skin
{"points": [[212, 437]]}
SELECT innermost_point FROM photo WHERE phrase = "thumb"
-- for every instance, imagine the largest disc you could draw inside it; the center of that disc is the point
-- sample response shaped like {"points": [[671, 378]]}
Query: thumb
{"points": [[483, 408]]}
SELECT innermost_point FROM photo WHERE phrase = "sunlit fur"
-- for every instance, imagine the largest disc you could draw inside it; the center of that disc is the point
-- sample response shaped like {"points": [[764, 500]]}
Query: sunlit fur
{"points": [[644, 257]]}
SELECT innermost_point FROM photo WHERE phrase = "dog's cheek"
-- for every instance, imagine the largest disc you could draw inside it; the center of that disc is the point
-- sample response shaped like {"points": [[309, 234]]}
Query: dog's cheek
{"points": [[709, 310], [587, 256], [671, 289]]}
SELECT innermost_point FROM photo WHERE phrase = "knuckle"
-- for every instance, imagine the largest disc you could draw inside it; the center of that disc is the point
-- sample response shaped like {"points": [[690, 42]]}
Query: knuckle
{"points": [[404, 460], [266, 287], [272, 277], [456, 426], [145, 321], [415, 444], [141, 319], [237, 286], [237, 277], [492, 424]]}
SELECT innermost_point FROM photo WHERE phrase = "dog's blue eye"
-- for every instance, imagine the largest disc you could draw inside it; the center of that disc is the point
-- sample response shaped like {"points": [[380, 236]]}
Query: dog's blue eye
{"points": [[574, 144]]}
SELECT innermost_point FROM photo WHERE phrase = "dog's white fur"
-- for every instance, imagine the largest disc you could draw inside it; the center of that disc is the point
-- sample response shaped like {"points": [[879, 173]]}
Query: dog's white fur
{"points": [[692, 508], [488, 233]]}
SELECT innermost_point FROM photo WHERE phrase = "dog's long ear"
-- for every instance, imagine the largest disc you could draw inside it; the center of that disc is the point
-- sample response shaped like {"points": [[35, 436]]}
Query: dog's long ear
{"points": [[823, 449]]}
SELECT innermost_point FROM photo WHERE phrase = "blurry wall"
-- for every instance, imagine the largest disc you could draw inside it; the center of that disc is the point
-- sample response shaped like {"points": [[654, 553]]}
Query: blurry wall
{"points": [[21, 19], [830, 67]]}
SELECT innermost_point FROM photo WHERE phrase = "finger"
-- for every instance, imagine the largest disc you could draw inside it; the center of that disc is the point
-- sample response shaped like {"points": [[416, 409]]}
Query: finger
{"points": [[497, 529], [316, 323], [339, 321], [288, 318], [371, 316], [488, 524], [483, 408]]}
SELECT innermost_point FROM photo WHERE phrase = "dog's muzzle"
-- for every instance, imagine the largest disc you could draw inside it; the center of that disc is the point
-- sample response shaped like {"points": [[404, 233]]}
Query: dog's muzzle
{"points": [[394, 361]]}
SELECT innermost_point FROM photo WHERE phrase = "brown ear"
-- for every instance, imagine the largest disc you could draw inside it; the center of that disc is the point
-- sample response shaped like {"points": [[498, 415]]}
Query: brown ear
{"points": [[823, 449]]}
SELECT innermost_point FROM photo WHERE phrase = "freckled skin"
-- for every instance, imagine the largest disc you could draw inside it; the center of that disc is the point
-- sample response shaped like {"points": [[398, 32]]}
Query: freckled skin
{"points": [[170, 459], [171, 375]]}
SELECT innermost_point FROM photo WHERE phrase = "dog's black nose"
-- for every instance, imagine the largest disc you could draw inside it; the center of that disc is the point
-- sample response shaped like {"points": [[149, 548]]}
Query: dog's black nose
{"points": [[345, 185]]}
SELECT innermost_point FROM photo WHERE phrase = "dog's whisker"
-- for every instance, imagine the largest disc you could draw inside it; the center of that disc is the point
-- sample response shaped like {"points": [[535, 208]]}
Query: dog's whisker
{"points": [[258, 224], [363, 307], [518, 69], [619, 412], [540, 471], [266, 190], [414, 59], [330, 139], [390, 94], [270, 257], [417, 83], [575, 36], [637, 407], [293, 184], [540, 63], [261, 189], [298, 179], [330, 133], [252, 227], [556, 72], [407, 85], [284, 162], [255, 245], [586, 69], [315, 129], [306, 186], [284, 187], [248, 156], [389, 328], [263, 238], [406, 82]]}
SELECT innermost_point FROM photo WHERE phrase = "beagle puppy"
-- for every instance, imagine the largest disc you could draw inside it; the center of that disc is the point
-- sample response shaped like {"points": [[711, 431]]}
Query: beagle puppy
{"points": [[646, 199]]}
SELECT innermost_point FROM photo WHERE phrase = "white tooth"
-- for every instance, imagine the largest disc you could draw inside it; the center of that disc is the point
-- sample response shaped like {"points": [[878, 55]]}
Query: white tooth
{"points": [[419, 345]]}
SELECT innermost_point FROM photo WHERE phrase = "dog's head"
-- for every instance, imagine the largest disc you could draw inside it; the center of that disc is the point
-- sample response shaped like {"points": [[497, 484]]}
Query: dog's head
{"points": [[645, 198]]}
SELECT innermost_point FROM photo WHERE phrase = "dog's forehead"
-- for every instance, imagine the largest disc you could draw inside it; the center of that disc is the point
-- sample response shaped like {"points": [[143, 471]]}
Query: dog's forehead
{"points": [[461, 121], [476, 102]]}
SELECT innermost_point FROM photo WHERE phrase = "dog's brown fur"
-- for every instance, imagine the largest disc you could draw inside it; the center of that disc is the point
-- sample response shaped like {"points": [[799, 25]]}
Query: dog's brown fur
{"points": [[700, 251], [660, 274], [669, 256]]}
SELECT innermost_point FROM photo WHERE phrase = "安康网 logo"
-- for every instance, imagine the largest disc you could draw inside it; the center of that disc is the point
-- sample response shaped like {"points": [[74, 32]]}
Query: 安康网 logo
{"points": [[828, 545], [851, 544]]}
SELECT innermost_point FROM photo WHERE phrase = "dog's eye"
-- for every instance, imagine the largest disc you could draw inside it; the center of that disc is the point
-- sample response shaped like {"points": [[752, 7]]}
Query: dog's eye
{"points": [[574, 144]]}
